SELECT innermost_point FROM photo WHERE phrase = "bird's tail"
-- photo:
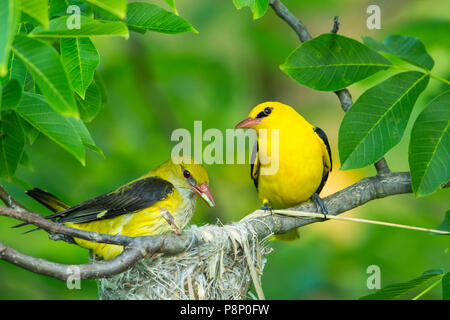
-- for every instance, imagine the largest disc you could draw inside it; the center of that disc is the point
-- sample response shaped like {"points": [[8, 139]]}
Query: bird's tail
{"points": [[48, 200]]}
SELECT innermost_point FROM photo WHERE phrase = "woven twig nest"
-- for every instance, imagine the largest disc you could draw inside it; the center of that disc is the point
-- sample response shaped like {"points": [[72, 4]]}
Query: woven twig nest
{"points": [[223, 267]]}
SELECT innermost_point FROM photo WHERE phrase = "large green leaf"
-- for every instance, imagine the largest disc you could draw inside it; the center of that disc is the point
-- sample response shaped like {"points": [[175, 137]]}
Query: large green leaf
{"points": [[242, 3], [88, 28], [408, 48], [376, 121], [36, 9], [445, 225], [60, 8], [429, 147], [30, 132], [115, 7], [90, 106], [8, 24], [331, 62], [393, 291], [12, 143], [446, 286], [142, 16], [17, 70], [37, 112], [171, 4], [26, 162], [80, 58], [45, 65], [11, 95], [84, 134], [258, 7]]}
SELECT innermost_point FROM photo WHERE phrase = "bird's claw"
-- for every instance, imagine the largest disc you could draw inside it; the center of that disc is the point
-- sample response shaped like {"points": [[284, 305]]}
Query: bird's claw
{"points": [[320, 205], [267, 207]]}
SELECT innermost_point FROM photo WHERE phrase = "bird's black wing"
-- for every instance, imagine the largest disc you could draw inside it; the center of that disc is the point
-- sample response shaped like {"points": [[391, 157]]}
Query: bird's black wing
{"points": [[255, 165], [326, 169], [134, 196]]}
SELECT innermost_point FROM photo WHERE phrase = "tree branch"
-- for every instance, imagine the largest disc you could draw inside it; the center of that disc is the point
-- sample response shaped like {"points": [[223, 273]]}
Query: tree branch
{"points": [[55, 228], [335, 25], [136, 248], [284, 13], [8, 200]]}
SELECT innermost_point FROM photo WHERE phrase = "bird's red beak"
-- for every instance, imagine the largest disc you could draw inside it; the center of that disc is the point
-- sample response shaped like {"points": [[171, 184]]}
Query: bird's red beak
{"points": [[248, 123], [203, 192]]}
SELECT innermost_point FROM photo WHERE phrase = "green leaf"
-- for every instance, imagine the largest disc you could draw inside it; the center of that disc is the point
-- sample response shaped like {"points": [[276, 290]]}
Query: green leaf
{"points": [[17, 70], [11, 95], [9, 15], [37, 112], [36, 9], [331, 62], [85, 136], [259, 8], [26, 162], [446, 286], [30, 132], [88, 28], [376, 121], [239, 4], [90, 106], [60, 8], [429, 147], [29, 84], [142, 16], [445, 225], [171, 4], [393, 291], [45, 65], [115, 7], [407, 48], [80, 58], [12, 144]]}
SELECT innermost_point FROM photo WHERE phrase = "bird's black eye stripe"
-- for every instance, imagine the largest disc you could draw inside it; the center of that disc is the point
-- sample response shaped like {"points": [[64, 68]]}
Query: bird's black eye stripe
{"points": [[265, 113]]}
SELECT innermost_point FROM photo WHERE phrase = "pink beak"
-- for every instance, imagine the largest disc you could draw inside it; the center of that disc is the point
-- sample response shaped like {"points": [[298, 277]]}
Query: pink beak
{"points": [[248, 123], [203, 192]]}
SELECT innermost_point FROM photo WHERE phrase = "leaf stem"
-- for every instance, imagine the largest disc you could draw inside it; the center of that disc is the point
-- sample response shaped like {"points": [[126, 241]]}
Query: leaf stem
{"points": [[428, 72], [427, 289], [439, 78]]}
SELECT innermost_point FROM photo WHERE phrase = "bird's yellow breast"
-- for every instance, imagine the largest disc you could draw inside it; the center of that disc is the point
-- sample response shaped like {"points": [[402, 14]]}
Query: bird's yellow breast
{"points": [[300, 163], [145, 222]]}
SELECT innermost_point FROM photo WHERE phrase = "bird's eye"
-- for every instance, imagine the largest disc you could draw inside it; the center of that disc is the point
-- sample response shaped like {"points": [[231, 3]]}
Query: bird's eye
{"points": [[267, 111], [186, 174]]}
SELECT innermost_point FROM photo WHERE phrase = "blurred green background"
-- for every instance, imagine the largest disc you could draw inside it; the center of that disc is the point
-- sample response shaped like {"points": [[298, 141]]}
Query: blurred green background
{"points": [[157, 83]]}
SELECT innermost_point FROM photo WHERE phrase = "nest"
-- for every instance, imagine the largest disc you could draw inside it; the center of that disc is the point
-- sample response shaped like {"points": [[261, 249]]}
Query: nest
{"points": [[223, 267]]}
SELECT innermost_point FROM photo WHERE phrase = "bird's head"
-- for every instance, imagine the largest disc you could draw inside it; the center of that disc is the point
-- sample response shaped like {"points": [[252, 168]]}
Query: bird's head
{"points": [[184, 173], [267, 115]]}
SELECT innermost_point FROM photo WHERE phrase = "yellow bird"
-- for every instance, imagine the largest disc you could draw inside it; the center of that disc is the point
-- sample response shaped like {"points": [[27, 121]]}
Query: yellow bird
{"points": [[159, 202], [304, 158]]}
